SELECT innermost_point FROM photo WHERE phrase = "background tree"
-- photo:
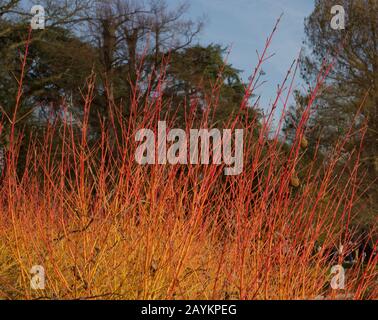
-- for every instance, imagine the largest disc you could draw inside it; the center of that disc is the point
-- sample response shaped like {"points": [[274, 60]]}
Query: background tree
{"points": [[353, 80], [132, 39], [192, 74], [57, 65]]}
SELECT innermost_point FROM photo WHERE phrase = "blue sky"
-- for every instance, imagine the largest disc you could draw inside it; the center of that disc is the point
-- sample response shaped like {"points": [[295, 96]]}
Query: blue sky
{"points": [[245, 24]]}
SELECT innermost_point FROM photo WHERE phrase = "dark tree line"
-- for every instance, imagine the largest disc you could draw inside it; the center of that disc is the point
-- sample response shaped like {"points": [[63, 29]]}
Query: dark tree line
{"points": [[125, 43]]}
